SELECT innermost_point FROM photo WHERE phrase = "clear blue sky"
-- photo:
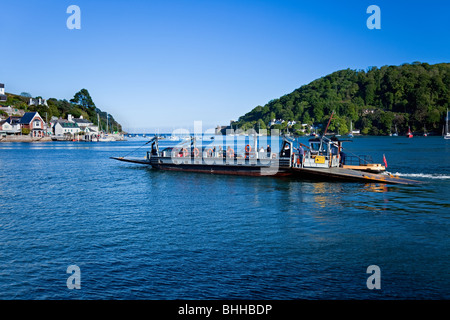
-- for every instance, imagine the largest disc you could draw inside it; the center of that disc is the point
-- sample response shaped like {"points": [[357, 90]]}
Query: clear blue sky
{"points": [[164, 64]]}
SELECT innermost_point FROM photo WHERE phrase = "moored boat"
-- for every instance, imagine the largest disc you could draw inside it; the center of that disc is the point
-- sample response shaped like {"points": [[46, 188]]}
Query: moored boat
{"points": [[446, 133], [409, 133], [395, 134]]}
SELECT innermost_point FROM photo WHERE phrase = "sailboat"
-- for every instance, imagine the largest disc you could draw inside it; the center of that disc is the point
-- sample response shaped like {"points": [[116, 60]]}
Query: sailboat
{"points": [[447, 133], [351, 130], [395, 134], [409, 133], [425, 134]]}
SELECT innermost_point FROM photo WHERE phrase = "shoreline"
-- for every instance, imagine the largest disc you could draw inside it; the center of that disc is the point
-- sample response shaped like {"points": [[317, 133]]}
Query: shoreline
{"points": [[46, 139], [24, 139]]}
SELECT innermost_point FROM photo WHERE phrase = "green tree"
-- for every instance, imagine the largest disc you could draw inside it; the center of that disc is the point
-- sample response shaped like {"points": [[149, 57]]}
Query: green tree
{"points": [[414, 94], [83, 98]]}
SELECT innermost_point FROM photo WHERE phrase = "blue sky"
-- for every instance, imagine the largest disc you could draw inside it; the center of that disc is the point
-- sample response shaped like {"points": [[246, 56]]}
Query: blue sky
{"points": [[164, 64]]}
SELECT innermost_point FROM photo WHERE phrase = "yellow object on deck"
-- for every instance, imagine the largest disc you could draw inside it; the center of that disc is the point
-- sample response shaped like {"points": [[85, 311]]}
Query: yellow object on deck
{"points": [[319, 159]]}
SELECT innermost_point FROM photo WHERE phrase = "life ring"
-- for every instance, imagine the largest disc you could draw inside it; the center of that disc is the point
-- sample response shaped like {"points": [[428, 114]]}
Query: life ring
{"points": [[185, 152], [230, 153], [248, 148], [209, 153], [196, 152]]}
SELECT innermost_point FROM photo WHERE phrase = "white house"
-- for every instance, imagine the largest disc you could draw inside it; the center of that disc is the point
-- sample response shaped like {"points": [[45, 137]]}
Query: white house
{"points": [[37, 102], [63, 127], [3, 97], [5, 128], [276, 121], [82, 123], [90, 130], [14, 122]]}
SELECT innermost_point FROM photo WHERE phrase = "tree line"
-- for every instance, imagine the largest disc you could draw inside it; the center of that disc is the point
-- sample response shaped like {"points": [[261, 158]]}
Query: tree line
{"points": [[376, 101]]}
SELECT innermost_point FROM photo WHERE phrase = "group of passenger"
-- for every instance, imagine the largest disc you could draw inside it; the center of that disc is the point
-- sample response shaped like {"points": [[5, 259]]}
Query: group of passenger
{"points": [[219, 151]]}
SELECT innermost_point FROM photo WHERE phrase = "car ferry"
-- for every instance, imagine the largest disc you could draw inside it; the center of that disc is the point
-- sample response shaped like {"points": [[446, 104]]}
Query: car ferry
{"points": [[322, 159]]}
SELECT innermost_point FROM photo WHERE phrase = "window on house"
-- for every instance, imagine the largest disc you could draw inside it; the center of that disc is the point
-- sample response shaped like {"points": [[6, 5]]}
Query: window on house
{"points": [[37, 124]]}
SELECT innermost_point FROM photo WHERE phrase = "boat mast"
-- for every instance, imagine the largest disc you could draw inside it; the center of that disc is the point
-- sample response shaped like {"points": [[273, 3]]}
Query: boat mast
{"points": [[323, 136], [446, 123]]}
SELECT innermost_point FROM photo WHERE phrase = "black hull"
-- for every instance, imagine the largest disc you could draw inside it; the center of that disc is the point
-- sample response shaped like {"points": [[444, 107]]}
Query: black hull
{"points": [[228, 170], [324, 174]]}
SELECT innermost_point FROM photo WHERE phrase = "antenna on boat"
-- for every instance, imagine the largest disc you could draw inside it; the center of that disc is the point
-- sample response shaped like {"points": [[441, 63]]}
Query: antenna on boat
{"points": [[325, 132], [151, 140], [329, 121]]}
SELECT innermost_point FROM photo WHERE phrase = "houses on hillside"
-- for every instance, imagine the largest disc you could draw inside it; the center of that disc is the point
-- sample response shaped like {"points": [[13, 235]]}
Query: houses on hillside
{"points": [[32, 124], [37, 102]]}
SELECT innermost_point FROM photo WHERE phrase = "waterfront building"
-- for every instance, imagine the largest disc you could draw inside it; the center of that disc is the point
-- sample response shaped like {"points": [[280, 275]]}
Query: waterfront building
{"points": [[33, 122], [90, 130], [64, 127], [5, 128], [82, 123], [14, 122]]}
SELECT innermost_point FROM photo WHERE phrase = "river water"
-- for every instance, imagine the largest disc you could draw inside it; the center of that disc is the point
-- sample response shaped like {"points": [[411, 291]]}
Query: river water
{"points": [[139, 233]]}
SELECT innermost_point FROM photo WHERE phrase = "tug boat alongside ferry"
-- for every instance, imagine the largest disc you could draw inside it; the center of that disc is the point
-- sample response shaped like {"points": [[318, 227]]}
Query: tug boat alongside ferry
{"points": [[322, 159]]}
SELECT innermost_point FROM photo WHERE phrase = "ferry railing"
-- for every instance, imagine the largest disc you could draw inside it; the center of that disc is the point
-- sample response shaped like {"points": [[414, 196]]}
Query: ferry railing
{"points": [[354, 160], [184, 155]]}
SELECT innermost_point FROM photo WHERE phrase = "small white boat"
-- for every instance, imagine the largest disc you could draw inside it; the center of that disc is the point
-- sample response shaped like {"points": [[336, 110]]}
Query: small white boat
{"points": [[105, 138], [446, 133], [395, 134], [350, 134], [173, 138]]}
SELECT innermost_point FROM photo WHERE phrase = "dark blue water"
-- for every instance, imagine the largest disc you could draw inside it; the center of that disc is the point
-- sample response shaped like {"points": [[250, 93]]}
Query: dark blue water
{"points": [[138, 233]]}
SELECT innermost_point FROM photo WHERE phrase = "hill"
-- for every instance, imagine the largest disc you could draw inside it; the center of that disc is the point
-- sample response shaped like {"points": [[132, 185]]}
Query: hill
{"points": [[375, 100], [80, 104]]}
